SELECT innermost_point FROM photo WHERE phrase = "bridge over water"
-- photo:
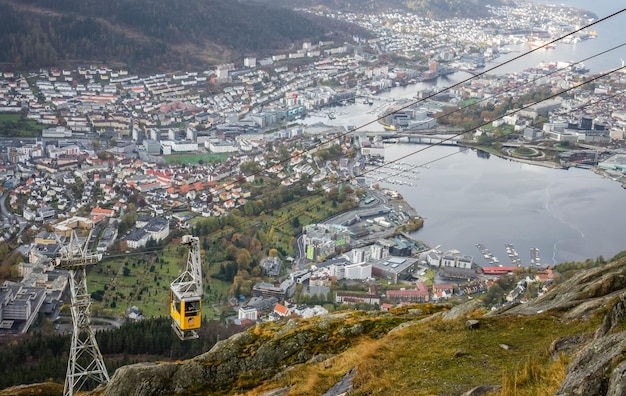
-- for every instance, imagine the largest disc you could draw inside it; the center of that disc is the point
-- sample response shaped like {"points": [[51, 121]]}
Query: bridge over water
{"points": [[450, 140], [413, 137]]}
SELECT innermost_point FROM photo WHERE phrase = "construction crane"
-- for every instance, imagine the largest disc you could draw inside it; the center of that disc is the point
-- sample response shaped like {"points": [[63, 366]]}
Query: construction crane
{"points": [[186, 293], [85, 361]]}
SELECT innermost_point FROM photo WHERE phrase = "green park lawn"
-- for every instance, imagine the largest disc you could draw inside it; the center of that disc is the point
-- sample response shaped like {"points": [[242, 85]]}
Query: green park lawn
{"points": [[144, 283], [12, 124], [195, 158]]}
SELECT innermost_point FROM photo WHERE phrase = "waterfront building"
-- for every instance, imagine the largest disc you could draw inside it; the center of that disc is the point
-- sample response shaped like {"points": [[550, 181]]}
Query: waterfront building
{"points": [[321, 240], [532, 133], [249, 313], [394, 268], [354, 298], [455, 260], [588, 157], [281, 291], [616, 162], [56, 132]]}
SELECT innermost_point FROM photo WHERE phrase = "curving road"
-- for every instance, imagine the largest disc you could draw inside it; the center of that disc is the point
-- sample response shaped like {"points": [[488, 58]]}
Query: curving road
{"points": [[6, 214]]}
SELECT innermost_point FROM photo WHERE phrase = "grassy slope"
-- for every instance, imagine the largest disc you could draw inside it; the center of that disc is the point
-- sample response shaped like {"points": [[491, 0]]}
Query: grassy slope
{"points": [[444, 358], [431, 8], [150, 290], [12, 124], [140, 287]]}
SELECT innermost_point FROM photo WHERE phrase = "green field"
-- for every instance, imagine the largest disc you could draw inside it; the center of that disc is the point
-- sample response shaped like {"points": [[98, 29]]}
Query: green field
{"points": [[468, 102], [146, 283], [308, 210], [12, 124], [195, 158]]}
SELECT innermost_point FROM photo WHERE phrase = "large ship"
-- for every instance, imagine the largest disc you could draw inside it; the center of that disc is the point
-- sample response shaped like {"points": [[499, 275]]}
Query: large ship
{"points": [[537, 42]]}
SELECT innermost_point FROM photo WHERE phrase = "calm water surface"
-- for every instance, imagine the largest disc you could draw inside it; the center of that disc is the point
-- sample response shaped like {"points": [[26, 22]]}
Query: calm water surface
{"points": [[568, 214], [610, 33]]}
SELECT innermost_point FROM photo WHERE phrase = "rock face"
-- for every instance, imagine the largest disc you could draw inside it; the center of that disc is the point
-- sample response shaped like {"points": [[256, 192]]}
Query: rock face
{"points": [[240, 361], [592, 369], [598, 369], [599, 366], [581, 295], [217, 369], [472, 324]]}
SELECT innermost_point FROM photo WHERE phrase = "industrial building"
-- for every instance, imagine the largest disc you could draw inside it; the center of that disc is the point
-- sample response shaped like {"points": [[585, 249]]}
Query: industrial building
{"points": [[19, 306], [394, 268]]}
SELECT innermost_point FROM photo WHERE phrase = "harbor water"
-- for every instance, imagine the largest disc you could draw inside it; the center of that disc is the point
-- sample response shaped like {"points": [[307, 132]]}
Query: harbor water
{"points": [[610, 33], [469, 199]]}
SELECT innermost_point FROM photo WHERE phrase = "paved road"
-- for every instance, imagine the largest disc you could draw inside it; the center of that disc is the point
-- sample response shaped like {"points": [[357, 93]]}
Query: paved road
{"points": [[6, 214], [96, 324]]}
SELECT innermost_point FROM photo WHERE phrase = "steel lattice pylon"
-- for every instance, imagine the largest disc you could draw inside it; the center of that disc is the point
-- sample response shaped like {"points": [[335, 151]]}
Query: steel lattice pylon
{"points": [[85, 361]]}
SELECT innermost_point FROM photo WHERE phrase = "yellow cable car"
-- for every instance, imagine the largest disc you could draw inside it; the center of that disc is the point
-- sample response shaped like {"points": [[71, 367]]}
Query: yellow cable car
{"points": [[186, 294], [186, 312]]}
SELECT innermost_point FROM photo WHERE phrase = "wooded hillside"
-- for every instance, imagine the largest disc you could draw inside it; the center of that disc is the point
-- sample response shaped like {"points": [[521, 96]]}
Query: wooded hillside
{"points": [[159, 35]]}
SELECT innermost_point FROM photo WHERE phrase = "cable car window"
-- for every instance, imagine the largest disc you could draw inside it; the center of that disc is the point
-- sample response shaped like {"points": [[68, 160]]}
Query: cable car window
{"points": [[192, 307]]}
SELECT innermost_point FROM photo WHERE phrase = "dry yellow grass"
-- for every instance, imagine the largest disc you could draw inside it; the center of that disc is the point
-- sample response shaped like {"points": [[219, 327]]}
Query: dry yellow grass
{"points": [[535, 378], [315, 379], [444, 358]]}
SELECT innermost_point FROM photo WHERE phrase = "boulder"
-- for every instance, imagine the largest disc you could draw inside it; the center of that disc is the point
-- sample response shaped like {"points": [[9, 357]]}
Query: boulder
{"points": [[472, 324]]}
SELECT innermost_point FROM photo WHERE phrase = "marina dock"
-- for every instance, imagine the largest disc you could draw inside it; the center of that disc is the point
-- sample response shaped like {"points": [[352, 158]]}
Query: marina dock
{"points": [[512, 253], [486, 253], [535, 258], [401, 173]]}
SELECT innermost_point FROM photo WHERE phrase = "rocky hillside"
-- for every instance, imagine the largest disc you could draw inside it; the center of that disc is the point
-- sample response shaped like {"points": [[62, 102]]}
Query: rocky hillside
{"points": [[570, 341]]}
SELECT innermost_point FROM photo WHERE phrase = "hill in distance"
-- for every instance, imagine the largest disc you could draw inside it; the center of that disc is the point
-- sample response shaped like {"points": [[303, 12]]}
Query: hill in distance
{"points": [[427, 8], [169, 35], [155, 35]]}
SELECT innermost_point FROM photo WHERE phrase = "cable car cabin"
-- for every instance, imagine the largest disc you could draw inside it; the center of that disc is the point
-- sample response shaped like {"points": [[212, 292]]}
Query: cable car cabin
{"points": [[186, 315], [186, 293]]}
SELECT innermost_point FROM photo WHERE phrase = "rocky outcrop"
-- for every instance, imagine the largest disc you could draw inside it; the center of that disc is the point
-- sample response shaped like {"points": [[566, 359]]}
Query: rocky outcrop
{"points": [[342, 387], [599, 367], [617, 383], [482, 390], [592, 368], [460, 311], [245, 359], [599, 360], [582, 295]]}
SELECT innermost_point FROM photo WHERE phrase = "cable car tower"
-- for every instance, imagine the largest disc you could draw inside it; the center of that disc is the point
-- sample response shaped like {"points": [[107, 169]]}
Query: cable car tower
{"points": [[85, 360], [186, 293]]}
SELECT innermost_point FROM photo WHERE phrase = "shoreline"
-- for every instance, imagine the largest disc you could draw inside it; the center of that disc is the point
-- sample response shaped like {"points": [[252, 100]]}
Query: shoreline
{"points": [[546, 164]]}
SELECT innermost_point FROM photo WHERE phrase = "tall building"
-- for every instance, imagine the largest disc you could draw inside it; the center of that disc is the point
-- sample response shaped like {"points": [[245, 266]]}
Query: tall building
{"points": [[249, 62]]}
